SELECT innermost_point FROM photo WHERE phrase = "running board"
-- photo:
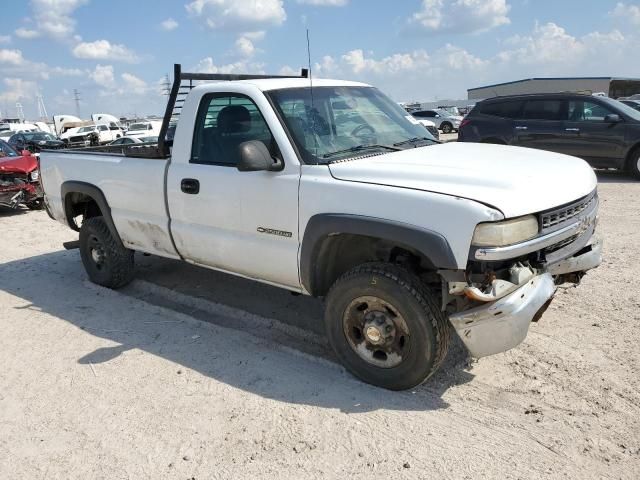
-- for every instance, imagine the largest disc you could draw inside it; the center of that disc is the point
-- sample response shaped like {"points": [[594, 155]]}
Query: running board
{"points": [[71, 245]]}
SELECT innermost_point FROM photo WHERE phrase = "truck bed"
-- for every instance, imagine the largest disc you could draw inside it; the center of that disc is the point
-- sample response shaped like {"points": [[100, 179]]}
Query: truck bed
{"points": [[133, 186]]}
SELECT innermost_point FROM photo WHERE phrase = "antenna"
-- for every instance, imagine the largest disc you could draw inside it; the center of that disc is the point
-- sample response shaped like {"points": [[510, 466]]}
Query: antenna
{"points": [[76, 98], [313, 109]]}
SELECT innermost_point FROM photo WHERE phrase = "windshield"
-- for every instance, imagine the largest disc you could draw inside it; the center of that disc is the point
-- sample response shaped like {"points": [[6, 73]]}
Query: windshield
{"points": [[6, 150], [39, 136], [86, 129], [626, 109], [345, 121], [138, 126]]}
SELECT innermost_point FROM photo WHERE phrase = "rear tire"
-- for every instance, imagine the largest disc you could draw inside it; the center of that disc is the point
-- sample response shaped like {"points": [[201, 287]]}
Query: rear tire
{"points": [[106, 261], [446, 127], [633, 165], [385, 326]]}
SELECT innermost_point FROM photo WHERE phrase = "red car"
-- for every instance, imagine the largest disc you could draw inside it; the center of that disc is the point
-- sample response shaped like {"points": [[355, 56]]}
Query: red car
{"points": [[19, 179]]}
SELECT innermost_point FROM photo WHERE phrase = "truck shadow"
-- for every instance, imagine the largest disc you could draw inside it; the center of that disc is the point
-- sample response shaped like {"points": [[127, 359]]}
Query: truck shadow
{"points": [[56, 283]]}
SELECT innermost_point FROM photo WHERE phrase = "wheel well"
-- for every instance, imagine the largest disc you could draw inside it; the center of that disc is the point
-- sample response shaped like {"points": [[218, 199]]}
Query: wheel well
{"points": [[80, 204], [340, 253]]}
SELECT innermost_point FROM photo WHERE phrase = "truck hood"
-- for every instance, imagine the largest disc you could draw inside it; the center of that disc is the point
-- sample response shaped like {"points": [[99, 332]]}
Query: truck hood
{"points": [[516, 181], [18, 164]]}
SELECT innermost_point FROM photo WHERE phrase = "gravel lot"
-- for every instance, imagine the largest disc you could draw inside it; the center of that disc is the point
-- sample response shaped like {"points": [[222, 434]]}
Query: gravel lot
{"points": [[189, 373]]}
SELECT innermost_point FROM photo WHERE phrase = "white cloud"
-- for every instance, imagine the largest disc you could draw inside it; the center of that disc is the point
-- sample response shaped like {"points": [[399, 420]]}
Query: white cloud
{"points": [[168, 24], [630, 13], [13, 57], [236, 15], [255, 36], [325, 3], [460, 16], [398, 62], [16, 89], [103, 76], [5, 38], [288, 70], [26, 33], [134, 84], [53, 18], [207, 65], [245, 47], [104, 50]]}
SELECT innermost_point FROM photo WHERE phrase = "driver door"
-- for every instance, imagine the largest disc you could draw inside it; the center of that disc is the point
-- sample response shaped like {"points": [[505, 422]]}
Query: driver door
{"points": [[241, 222]]}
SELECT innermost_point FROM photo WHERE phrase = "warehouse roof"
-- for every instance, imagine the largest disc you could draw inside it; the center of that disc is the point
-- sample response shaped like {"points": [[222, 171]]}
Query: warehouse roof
{"points": [[552, 78]]}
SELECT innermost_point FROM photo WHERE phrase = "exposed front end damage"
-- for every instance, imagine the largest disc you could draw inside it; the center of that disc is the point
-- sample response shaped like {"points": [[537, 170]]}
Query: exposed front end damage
{"points": [[17, 190], [492, 303], [20, 182]]}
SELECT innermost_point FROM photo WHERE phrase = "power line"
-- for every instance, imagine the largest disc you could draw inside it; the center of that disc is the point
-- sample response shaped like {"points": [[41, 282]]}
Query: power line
{"points": [[20, 111], [76, 98], [166, 86], [42, 110]]}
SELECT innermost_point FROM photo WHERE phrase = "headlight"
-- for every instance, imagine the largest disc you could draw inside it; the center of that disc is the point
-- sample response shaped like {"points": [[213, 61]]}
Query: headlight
{"points": [[508, 232], [34, 176]]}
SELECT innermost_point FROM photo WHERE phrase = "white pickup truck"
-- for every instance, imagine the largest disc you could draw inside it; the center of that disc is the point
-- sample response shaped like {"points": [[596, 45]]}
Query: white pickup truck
{"points": [[333, 191]]}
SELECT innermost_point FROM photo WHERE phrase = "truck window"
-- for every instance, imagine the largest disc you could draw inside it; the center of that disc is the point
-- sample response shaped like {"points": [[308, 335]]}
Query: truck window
{"points": [[225, 121]]}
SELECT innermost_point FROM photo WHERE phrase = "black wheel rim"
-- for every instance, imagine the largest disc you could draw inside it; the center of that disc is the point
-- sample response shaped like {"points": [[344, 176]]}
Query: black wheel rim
{"points": [[96, 252], [376, 331]]}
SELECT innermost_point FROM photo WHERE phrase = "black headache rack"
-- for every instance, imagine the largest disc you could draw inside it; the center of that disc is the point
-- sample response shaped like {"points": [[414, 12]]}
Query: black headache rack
{"points": [[183, 83]]}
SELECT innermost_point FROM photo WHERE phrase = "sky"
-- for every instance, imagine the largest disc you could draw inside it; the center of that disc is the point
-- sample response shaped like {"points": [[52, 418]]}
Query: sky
{"points": [[115, 53]]}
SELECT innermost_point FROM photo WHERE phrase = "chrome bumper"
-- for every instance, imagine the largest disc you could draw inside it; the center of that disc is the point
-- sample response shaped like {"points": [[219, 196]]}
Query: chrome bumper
{"points": [[501, 325]]}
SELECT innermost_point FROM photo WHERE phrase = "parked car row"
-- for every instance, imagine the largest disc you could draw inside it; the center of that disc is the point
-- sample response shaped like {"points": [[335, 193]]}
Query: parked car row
{"points": [[443, 119], [600, 130]]}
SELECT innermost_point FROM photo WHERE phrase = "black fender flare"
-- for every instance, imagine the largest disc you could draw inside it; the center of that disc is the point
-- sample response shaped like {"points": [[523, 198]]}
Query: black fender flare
{"points": [[429, 243], [96, 194]]}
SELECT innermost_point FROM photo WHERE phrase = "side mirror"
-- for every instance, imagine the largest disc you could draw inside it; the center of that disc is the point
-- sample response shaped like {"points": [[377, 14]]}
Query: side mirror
{"points": [[25, 153], [612, 118], [255, 157]]}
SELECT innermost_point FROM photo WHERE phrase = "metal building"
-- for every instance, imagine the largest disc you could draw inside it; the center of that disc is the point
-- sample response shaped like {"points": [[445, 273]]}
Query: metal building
{"points": [[613, 87]]}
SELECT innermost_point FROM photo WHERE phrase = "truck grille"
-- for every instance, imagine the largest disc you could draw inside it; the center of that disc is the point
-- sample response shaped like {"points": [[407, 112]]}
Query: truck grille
{"points": [[563, 214], [77, 139]]}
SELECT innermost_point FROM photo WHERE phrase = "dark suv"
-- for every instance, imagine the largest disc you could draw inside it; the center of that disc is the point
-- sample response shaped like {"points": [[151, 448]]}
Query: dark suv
{"points": [[602, 131]]}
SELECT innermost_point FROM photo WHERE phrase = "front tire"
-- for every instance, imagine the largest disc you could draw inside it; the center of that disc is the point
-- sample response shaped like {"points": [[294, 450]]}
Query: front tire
{"points": [[385, 326], [106, 261], [633, 167]]}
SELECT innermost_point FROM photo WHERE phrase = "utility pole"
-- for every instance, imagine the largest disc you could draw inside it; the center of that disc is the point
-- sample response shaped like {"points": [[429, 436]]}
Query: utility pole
{"points": [[42, 110], [166, 86], [20, 112], [76, 98]]}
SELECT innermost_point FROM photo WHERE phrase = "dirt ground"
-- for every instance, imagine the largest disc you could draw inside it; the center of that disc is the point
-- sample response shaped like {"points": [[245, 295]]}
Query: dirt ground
{"points": [[189, 373]]}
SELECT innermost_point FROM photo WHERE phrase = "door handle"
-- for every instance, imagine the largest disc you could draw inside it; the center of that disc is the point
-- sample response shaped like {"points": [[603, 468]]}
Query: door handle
{"points": [[519, 127], [572, 130], [190, 186]]}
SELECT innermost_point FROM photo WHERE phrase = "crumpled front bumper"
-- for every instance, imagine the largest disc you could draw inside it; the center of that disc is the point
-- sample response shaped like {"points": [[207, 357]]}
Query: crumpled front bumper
{"points": [[501, 325]]}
